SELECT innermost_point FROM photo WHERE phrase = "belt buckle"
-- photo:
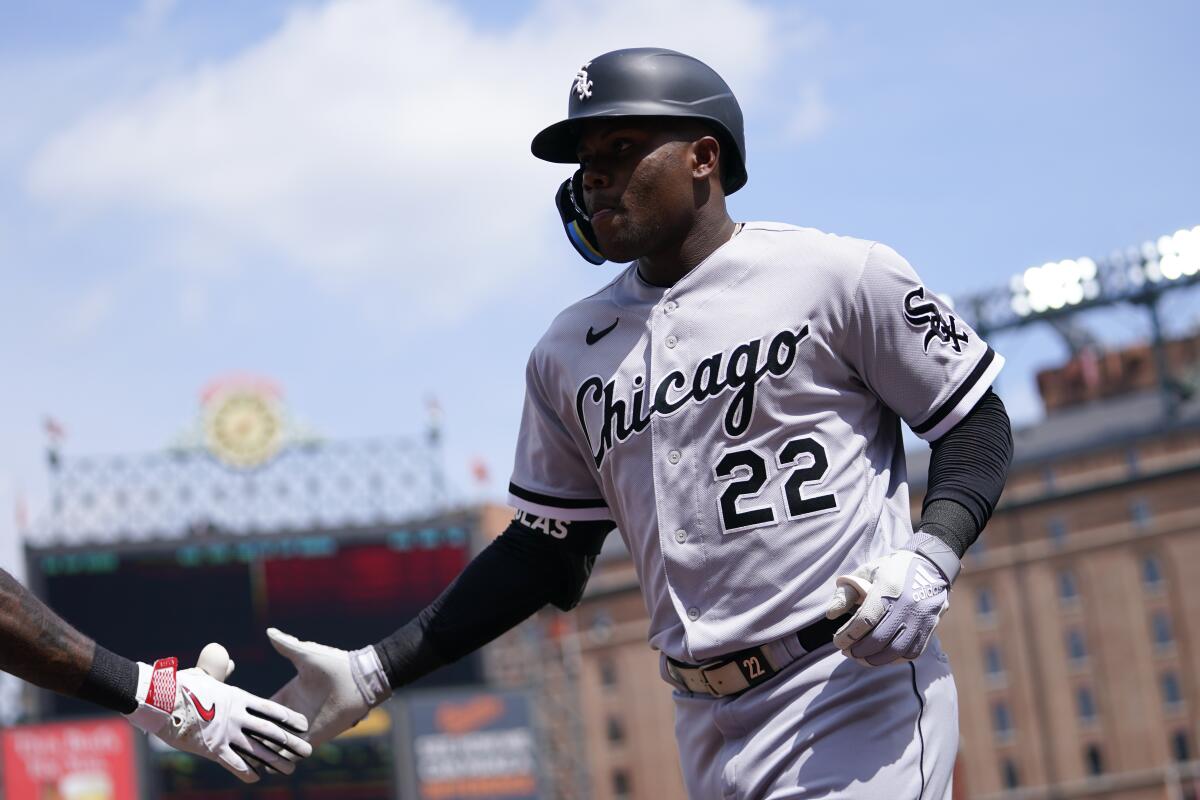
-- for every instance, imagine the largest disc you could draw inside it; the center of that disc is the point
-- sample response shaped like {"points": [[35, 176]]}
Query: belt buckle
{"points": [[703, 670]]}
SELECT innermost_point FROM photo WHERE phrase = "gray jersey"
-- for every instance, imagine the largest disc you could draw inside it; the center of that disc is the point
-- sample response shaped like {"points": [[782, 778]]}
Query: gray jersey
{"points": [[741, 427]]}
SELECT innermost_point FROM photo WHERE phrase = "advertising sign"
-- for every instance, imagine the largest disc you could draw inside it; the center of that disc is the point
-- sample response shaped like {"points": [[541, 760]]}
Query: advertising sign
{"points": [[85, 760], [472, 745]]}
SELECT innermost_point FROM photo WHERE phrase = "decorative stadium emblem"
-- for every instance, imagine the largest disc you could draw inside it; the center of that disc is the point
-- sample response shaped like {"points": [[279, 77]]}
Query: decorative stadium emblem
{"points": [[243, 420], [920, 315], [583, 87]]}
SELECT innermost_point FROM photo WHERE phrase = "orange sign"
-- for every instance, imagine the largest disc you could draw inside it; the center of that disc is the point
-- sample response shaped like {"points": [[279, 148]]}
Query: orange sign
{"points": [[89, 760]]}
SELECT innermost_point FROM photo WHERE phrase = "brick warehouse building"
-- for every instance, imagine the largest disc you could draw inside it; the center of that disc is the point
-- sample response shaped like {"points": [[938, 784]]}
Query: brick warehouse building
{"points": [[1073, 630]]}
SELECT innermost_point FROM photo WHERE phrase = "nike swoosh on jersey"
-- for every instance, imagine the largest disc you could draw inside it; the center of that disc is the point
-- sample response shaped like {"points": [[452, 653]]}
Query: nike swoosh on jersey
{"points": [[595, 336], [206, 714]]}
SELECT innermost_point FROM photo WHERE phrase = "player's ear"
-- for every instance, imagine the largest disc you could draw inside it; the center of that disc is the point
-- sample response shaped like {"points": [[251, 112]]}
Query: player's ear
{"points": [[706, 157]]}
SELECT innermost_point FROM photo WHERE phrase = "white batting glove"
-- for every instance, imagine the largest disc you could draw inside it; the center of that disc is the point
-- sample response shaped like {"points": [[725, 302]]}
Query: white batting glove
{"points": [[901, 597], [334, 688], [194, 711]]}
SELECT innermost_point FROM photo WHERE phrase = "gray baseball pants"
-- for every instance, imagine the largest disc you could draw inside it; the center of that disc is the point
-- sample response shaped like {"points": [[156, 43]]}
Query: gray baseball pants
{"points": [[825, 727]]}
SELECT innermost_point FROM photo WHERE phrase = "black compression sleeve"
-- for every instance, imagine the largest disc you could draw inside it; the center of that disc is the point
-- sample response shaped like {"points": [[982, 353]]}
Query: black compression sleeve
{"points": [[111, 682], [514, 576], [967, 471]]}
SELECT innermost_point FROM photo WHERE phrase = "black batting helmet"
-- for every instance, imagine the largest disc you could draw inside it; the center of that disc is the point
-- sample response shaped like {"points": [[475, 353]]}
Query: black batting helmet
{"points": [[650, 82]]}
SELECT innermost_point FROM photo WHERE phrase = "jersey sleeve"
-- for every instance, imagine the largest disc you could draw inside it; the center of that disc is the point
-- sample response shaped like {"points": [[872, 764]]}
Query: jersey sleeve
{"points": [[912, 350], [551, 477]]}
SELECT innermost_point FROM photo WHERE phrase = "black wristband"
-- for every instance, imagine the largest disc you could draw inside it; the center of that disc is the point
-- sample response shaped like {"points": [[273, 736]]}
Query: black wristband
{"points": [[950, 522], [408, 654], [110, 682]]}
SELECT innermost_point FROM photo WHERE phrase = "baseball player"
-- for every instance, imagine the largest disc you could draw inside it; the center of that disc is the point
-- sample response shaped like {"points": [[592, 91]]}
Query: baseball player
{"points": [[731, 402], [191, 710]]}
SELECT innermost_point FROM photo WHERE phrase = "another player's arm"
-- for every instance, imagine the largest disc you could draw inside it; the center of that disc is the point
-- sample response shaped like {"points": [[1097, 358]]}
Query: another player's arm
{"points": [[532, 564], [38, 646]]}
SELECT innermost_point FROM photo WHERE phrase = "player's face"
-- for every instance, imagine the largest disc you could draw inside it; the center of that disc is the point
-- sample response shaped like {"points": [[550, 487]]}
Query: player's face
{"points": [[637, 185]]}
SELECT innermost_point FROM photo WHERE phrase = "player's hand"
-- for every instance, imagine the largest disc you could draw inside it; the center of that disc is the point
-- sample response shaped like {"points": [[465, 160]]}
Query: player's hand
{"points": [[900, 598], [194, 711], [333, 688]]}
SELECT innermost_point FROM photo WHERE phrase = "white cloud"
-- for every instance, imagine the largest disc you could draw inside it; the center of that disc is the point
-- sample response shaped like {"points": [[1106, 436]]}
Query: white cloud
{"points": [[811, 115], [377, 144]]}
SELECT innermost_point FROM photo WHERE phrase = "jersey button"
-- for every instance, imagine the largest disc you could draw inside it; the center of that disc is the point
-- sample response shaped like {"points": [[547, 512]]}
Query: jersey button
{"points": [[693, 613], [670, 306], [672, 341], [681, 536], [674, 456]]}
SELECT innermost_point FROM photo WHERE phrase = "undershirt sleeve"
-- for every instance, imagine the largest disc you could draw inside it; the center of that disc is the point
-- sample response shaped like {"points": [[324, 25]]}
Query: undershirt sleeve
{"points": [[967, 471], [521, 571]]}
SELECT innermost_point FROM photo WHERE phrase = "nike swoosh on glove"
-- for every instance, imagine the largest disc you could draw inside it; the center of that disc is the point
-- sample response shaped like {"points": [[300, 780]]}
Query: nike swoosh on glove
{"points": [[901, 597], [334, 688], [195, 711]]}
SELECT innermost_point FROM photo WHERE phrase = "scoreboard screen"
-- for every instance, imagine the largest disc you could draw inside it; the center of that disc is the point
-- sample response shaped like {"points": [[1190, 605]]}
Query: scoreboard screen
{"points": [[344, 588]]}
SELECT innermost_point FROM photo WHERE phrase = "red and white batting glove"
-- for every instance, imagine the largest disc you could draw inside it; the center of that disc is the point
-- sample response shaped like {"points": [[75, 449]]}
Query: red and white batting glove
{"points": [[195, 711]]}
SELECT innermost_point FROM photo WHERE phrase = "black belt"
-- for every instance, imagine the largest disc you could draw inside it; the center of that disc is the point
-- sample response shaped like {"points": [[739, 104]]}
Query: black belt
{"points": [[734, 673]]}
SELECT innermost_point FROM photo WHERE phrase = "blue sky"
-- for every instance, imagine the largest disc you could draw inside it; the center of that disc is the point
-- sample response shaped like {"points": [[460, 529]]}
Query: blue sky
{"points": [[339, 195]]}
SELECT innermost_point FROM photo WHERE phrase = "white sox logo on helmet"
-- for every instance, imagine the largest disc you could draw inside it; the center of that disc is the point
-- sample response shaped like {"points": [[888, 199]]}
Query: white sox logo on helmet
{"points": [[582, 85]]}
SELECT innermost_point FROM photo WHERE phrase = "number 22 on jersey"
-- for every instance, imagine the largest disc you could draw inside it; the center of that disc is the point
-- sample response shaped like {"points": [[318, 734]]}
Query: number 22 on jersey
{"points": [[745, 472]]}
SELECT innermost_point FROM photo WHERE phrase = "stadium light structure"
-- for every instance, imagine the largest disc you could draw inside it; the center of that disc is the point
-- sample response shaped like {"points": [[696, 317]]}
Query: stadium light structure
{"points": [[1057, 289]]}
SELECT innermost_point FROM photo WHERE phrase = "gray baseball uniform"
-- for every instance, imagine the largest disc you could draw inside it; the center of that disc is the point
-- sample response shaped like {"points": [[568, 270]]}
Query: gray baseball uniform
{"points": [[742, 429]]}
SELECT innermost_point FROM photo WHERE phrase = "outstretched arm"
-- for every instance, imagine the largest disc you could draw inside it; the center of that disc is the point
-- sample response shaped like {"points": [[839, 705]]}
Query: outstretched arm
{"points": [[192, 709], [36, 645], [535, 562]]}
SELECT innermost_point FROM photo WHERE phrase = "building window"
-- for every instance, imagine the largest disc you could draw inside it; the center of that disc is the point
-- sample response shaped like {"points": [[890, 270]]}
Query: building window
{"points": [[1171, 692], [1058, 531], [993, 664], [608, 673], [621, 786], [1076, 647], [984, 607], [1152, 577], [616, 731], [1086, 705], [1009, 774], [1001, 721], [1094, 760], [1180, 747], [1068, 589], [1139, 512], [1160, 626]]}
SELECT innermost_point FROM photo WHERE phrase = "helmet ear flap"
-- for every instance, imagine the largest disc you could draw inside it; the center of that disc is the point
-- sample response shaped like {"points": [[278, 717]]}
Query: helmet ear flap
{"points": [[576, 220], [576, 190]]}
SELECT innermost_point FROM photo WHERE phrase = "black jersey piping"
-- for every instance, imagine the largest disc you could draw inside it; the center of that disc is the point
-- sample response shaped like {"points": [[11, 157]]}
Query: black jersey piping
{"points": [[550, 500], [959, 394], [920, 734]]}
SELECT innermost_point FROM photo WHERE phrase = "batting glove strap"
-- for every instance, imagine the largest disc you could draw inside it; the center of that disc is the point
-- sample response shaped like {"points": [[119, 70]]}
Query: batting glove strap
{"points": [[156, 690], [937, 552], [369, 676]]}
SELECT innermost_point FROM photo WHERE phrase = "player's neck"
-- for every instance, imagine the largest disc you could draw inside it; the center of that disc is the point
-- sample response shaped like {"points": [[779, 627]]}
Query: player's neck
{"points": [[668, 266]]}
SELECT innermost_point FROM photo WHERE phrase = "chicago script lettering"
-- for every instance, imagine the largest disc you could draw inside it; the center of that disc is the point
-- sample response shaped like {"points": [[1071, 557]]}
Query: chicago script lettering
{"points": [[741, 372]]}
